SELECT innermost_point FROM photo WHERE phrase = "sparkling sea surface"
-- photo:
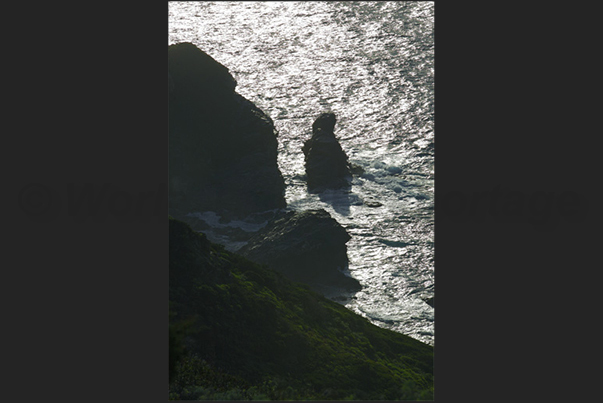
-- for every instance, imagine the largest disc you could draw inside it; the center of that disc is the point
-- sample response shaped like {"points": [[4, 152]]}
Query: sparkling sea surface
{"points": [[372, 64]]}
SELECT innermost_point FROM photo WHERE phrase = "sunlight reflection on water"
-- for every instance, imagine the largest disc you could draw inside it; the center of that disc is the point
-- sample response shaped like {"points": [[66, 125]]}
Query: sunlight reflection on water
{"points": [[372, 64]]}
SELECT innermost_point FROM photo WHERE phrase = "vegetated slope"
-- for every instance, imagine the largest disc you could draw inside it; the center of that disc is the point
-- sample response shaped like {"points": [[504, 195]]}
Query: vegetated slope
{"points": [[253, 334]]}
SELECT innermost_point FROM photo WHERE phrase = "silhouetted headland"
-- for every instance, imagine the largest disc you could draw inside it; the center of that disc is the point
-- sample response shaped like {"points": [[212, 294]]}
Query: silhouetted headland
{"points": [[222, 148]]}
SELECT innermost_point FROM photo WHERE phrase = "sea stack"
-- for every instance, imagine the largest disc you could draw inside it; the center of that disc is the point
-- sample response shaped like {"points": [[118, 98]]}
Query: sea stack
{"points": [[326, 163]]}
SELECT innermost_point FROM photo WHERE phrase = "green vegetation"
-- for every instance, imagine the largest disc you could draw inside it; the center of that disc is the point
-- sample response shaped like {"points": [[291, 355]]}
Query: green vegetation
{"points": [[240, 331]]}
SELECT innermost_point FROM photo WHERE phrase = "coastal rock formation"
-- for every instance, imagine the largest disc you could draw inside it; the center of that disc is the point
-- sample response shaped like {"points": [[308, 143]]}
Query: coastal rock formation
{"points": [[222, 148], [429, 301], [326, 163], [307, 246]]}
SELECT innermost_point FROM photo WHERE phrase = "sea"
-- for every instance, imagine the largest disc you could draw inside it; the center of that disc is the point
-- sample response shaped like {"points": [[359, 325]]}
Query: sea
{"points": [[372, 64]]}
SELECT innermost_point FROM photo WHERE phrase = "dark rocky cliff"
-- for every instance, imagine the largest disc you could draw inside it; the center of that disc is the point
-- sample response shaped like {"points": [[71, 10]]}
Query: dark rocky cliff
{"points": [[307, 246], [222, 148]]}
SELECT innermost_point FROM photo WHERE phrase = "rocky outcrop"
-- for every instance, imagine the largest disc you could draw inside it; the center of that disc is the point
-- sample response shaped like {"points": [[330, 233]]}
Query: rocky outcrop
{"points": [[222, 148], [307, 246], [326, 163], [223, 158], [429, 301]]}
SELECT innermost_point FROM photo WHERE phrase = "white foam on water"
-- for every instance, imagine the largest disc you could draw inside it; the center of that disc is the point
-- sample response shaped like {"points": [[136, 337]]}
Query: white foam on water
{"points": [[213, 220]]}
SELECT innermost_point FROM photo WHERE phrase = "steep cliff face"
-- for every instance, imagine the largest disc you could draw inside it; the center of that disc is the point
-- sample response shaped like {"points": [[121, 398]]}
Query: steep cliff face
{"points": [[222, 148]]}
